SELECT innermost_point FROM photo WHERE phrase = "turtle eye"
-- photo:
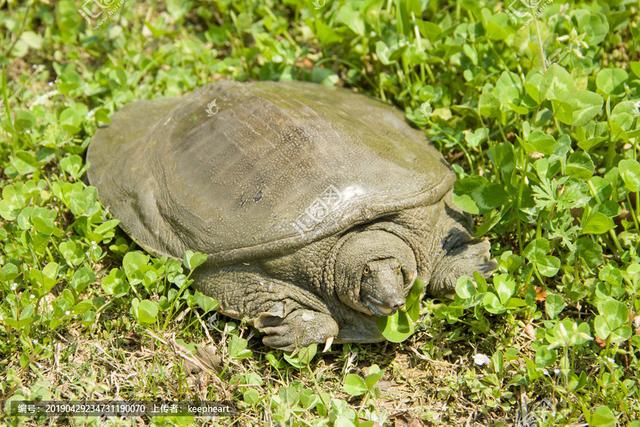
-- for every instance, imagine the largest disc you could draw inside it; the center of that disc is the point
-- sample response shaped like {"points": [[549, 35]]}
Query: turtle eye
{"points": [[366, 270]]}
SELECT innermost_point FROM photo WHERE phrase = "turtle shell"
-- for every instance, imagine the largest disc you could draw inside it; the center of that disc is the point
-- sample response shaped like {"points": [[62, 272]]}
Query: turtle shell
{"points": [[248, 170]]}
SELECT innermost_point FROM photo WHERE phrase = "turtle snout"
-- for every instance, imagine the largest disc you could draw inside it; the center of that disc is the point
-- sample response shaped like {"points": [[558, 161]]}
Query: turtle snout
{"points": [[395, 303], [383, 307]]}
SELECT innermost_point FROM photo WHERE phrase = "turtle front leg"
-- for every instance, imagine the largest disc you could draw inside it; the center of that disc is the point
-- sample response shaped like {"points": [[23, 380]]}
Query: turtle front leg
{"points": [[461, 255], [457, 252], [290, 317], [443, 245]]}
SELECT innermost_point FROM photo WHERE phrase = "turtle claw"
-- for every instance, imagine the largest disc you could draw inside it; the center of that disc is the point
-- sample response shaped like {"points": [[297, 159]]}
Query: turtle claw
{"points": [[327, 344]]}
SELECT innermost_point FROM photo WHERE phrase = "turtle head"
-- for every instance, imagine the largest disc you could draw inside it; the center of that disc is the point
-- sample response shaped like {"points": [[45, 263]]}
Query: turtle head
{"points": [[374, 271], [382, 287]]}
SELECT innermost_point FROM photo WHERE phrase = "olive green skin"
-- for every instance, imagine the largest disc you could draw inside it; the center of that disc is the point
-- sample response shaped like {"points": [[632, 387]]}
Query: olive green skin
{"points": [[271, 180]]}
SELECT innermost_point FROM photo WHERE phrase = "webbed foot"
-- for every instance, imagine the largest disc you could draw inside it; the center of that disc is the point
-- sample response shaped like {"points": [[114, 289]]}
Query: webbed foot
{"points": [[462, 256], [299, 328]]}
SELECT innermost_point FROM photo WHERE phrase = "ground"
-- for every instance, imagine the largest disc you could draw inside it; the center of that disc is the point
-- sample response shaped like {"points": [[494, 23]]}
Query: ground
{"points": [[534, 103]]}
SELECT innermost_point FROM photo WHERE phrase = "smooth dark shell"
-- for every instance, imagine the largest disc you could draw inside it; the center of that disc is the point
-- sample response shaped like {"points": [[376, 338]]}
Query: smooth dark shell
{"points": [[246, 170]]}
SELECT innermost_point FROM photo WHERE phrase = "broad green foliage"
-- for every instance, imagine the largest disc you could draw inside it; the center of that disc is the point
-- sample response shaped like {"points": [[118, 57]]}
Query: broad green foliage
{"points": [[535, 104]]}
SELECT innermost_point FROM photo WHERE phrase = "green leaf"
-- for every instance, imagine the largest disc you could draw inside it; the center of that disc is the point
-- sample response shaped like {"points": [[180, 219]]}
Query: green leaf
{"points": [[492, 304], [251, 396], [578, 108], [72, 165], [115, 283], [471, 53], [557, 83], [486, 195], [497, 26], [476, 137], [72, 117], [192, 260], [602, 417], [302, 357], [537, 248], [592, 24], [537, 252], [24, 120], [601, 327], [82, 278], [534, 86], [466, 203], [176, 8], [205, 302], [580, 165], [144, 311], [352, 18], [508, 90], [587, 105], [43, 221], [374, 374], [24, 162], [568, 333], [82, 201], [545, 356], [306, 354], [14, 198], [8, 272], [622, 119], [630, 173], [105, 230], [553, 305], [383, 53], [488, 104], [613, 321], [326, 34], [465, 288], [31, 39], [135, 264], [429, 30], [49, 276], [540, 142], [82, 307], [237, 348], [611, 80], [397, 327], [354, 385], [548, 265], [589, 251], [414, 298], [597, 223], [505, 287], [72, 253], [400, 325]]}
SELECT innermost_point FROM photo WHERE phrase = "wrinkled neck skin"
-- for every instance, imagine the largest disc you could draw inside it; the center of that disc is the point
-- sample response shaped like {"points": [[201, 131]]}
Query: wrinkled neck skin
{"points": [[373, 271]]}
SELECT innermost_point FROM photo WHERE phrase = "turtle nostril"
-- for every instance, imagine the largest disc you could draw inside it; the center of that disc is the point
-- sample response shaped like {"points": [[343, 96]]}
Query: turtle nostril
{"points": [[396, 304]]}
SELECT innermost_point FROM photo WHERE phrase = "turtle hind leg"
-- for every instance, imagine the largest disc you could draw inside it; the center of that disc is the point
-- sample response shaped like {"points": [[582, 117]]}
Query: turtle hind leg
{"points": [[290, 317], [460, 254]]}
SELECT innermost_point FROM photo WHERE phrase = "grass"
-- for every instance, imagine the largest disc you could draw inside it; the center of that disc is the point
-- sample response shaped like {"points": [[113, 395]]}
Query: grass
{"points": [[535, 104]]}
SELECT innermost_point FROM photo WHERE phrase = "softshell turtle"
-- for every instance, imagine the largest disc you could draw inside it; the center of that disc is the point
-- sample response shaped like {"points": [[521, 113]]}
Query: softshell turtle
{"points": [[317, 207]]}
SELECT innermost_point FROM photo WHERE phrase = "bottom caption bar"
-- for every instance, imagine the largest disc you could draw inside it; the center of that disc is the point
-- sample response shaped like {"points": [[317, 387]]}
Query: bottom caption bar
{"points": [[119, 408]]}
